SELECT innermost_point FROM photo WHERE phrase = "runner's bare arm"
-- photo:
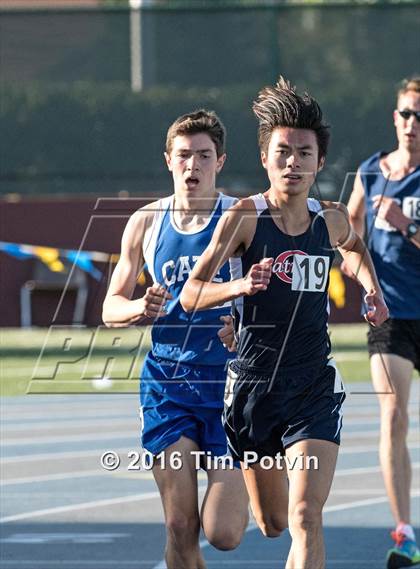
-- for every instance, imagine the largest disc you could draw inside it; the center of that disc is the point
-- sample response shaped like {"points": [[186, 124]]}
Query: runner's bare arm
{"points": [[356, 207], [357, 258], [119, 309], [232, 235]]}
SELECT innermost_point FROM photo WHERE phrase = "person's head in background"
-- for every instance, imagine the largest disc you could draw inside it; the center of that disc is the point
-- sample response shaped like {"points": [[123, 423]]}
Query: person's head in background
{"points": [[407, 115]]}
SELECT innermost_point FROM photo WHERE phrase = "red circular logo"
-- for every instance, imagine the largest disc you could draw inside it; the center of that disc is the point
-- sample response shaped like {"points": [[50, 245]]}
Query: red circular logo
{"points": [[283, 265]]}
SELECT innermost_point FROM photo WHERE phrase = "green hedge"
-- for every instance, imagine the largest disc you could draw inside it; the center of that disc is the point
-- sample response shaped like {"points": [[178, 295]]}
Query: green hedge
{"points": [[89, 138], [59, 132]]}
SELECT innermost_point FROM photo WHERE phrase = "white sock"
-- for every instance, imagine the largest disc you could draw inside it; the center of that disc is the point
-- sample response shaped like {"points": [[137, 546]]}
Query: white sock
{"points": [[407, 530]]}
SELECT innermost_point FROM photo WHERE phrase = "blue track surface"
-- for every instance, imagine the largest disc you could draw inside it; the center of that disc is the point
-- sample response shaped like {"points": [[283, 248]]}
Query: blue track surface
{"points": [[60, 509]]}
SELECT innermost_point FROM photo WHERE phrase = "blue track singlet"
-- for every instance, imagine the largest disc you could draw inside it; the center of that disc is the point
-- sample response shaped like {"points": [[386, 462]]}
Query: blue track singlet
{"points": [[170, 255], [183, 376], [396, 260]]}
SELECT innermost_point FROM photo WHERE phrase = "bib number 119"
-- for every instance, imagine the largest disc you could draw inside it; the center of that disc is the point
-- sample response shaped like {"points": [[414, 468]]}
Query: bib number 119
{"points": [[310, 273]]}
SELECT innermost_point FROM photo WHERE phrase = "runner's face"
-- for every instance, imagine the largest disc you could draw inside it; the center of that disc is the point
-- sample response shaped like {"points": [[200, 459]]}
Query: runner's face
{"points": [[194, 164], [408, 130], [291, 160]]}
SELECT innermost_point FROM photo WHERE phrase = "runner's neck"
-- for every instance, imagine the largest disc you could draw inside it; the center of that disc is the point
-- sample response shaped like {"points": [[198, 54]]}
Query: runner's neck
{"points": [[190, 214], [399, 163], [290, 212]]}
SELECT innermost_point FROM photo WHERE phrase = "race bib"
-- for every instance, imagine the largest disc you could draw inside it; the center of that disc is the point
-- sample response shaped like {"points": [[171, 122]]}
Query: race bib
{"points": [[411, 208], [310, 273]]}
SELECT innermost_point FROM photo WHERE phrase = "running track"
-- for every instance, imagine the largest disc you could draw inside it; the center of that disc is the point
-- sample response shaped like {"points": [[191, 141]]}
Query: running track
{"points": [[60, 509]]}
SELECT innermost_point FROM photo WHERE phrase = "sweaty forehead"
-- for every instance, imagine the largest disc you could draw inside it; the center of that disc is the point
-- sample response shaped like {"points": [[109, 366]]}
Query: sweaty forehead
{"points": [[293, 137], [194, 142], [409, 100]]}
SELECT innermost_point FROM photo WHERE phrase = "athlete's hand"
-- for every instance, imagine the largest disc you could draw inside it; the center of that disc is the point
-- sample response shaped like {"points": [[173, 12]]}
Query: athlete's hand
{"points": [[389, 210], [377, 310], [227, 333], [152, 304], [258, 277]]}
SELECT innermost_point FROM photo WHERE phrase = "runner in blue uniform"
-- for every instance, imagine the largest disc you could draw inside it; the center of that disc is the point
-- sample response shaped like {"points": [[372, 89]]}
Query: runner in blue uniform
{"points": [[287, 394], [184, 375], [387, 191]]}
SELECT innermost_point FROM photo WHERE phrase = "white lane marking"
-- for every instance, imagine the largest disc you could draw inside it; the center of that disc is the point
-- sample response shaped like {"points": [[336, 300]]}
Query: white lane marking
{"points": [[358, 491], [224, 563], [28, 371], [371, 421], [72, 563], [62, 537], [365, 470], [369, 448], [362, 420], [48, 368], [81, 506], [51, 477], [336, 508], [95, 452], [90, 422], [71, 422], [357, 408], [361, 434], [153, 495], [148, 475], [129, 434], [361, 503], [111, 407], [274, 562], [110, 435], [48, 456], [77, 413]]}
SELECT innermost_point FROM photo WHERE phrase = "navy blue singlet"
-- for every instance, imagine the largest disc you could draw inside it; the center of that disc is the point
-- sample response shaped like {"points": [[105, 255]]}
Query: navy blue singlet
{"points": [[286, 325], [396, 260]]}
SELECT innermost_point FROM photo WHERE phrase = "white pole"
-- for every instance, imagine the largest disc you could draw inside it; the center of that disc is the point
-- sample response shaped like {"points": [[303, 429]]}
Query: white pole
{"points": [[136, 46]]}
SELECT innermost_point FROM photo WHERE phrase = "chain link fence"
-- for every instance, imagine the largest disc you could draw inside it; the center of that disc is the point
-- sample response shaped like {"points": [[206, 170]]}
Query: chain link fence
{"points": [[87, 95]]}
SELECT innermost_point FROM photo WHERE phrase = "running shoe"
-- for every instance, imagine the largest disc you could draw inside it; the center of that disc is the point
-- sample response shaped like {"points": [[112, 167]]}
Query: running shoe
{"points": [[405, 553]]}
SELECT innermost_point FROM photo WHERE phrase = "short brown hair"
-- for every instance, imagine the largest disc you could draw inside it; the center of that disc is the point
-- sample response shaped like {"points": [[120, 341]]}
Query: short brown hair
{"points": [[410, 84], [195, 122], [281, 106]]}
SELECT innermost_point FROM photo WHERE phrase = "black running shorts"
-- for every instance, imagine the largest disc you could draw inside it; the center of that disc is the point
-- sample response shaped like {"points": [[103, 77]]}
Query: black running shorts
{"points": [[266, 419], [396, 336]]}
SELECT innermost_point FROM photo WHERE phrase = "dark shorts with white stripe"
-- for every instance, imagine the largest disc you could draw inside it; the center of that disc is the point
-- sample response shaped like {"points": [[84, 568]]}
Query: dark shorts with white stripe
{"points": [[266, 417]]}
